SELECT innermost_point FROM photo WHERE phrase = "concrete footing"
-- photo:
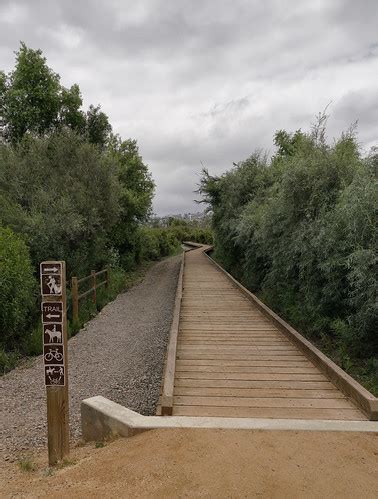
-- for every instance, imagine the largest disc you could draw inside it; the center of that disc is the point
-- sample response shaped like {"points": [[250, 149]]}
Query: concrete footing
{"points": [[102, 419]]}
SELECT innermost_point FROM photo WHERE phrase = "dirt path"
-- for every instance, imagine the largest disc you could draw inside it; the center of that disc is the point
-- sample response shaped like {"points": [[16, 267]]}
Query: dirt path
{"points": [[210, 463], [119, 355]]}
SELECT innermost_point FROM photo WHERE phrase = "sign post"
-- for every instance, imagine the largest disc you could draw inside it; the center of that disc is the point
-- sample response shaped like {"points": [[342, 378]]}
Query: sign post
{"points": [[54, 325]]}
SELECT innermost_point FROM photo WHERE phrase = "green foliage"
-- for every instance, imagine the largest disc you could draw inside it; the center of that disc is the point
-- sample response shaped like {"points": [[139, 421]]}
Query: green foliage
{"points": [[156, 243], [8, 360], [70, 191], [300, 231], [62, 195], [183, 230], [136, 192], [97, 126], [33, 102], [17, 289], [30, 95]]}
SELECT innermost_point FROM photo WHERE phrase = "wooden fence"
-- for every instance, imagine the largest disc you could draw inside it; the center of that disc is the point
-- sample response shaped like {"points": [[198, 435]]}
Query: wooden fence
{"points": [[95, 284]]}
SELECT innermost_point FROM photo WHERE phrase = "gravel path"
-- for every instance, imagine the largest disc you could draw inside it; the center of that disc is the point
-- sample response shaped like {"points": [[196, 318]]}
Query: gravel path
{"points": [[119, 354]]}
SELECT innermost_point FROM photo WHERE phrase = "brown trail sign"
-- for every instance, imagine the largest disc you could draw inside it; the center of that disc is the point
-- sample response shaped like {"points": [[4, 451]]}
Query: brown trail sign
{"points": [[51, 278], [54, 323], [52, 311], [52, 333]]}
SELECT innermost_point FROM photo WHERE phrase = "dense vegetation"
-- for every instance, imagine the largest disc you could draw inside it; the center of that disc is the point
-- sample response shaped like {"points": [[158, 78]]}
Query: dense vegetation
{"points": [[69, 190], [299, 230]]}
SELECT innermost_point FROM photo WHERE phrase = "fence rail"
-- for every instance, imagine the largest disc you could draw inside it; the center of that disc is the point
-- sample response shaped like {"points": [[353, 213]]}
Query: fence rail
{"points": [[75, 283]]}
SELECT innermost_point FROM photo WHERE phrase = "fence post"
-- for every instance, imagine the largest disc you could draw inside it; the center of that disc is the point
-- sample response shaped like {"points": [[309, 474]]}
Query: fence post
{"points": [[75, 299], [94, 299], [107, 274]]}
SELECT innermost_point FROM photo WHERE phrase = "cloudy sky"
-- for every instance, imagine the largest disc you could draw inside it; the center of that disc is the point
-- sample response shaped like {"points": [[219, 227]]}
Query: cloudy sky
{"points": [[206, 82]]}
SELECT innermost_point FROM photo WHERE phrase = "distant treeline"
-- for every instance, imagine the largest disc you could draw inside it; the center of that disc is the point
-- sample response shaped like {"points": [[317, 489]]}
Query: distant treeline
{"points": [[69, 190], [299, 229]]}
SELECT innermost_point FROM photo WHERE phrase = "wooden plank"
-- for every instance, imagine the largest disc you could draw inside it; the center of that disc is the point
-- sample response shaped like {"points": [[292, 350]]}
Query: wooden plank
{"points": [[246, 369], [235, 346], [300, 362], [257, 392], [329, 403], [234, 338], [249, 357], [277, 413], [232, 383], [187, 347], [230, 339], [263, 376], [246, 351]]}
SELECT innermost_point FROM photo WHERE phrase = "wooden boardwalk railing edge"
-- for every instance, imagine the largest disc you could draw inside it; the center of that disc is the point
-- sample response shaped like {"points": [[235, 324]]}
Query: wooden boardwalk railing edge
{"points": [[349, 386], [170, 363]]}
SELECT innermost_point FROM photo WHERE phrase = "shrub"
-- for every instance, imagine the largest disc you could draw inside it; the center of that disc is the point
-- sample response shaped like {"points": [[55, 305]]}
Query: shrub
{"points": [[18, 289], [300, 231]]}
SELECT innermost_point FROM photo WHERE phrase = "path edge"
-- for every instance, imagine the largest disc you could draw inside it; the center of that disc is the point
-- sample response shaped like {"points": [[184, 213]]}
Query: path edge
{"points": [[170, 363]]}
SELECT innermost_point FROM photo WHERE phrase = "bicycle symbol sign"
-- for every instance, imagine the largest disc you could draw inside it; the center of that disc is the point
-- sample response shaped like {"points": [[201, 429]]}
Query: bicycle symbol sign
{"points": [[53, 354]]}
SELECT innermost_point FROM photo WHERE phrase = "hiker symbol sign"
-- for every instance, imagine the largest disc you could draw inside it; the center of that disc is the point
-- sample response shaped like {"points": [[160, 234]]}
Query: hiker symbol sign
{"points": [[51, 278]]}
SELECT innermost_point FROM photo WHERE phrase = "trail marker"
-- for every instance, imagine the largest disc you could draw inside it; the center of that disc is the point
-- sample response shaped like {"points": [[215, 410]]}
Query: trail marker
{"points": [[52, 311], [51, 278], [54, 323]]}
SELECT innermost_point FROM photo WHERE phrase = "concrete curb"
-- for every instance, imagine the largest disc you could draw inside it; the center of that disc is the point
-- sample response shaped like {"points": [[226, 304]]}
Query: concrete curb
{"points": [[102, 419]]}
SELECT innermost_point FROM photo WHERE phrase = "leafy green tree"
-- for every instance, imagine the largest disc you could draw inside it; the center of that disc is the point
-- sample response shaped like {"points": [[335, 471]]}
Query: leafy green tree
{"points": [[136, 192], [97, 126], [29, 95], [62, 194], [33, 101]]}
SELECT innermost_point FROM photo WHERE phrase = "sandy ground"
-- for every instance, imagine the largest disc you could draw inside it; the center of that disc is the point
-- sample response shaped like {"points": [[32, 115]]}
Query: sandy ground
{"points": [[209, 463]]}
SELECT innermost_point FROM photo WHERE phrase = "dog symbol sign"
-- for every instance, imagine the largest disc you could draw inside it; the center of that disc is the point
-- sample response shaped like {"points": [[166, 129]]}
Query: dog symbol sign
{"points": [[54, 376], [51, 278]]}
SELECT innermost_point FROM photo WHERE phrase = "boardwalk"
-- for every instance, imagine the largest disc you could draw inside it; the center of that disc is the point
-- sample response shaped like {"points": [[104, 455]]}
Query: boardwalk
{"points": [[232, 361]]}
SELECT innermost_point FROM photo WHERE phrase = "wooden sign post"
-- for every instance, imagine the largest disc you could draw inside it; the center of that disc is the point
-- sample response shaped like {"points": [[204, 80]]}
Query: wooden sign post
{"points": [[54, 325]]}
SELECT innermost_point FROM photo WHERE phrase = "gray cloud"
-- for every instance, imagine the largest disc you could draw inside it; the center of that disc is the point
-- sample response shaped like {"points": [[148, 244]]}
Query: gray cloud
{"points": [[206, 82]]}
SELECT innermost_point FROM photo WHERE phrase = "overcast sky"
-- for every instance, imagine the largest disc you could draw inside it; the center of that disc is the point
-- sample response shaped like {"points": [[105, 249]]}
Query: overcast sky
{"points": [[207, 81]]}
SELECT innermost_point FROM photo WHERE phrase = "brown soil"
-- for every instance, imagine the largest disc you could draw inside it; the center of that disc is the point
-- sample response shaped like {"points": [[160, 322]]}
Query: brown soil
{"points": [[209, 463]]}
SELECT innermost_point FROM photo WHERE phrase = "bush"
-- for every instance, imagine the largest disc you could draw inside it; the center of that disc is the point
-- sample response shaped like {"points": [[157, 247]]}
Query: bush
{"points": [[18, 289], [299, 230], [8, 360]]}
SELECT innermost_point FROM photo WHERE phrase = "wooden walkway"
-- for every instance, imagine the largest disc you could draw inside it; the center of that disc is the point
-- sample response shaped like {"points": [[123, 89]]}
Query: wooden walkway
{"points": [[232, 361]]}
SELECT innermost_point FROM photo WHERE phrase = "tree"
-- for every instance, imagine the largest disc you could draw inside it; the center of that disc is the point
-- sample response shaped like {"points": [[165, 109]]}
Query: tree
{"points": [[62, 195], [97, 128], [30, 96], [137, 189], [33, 101]]}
